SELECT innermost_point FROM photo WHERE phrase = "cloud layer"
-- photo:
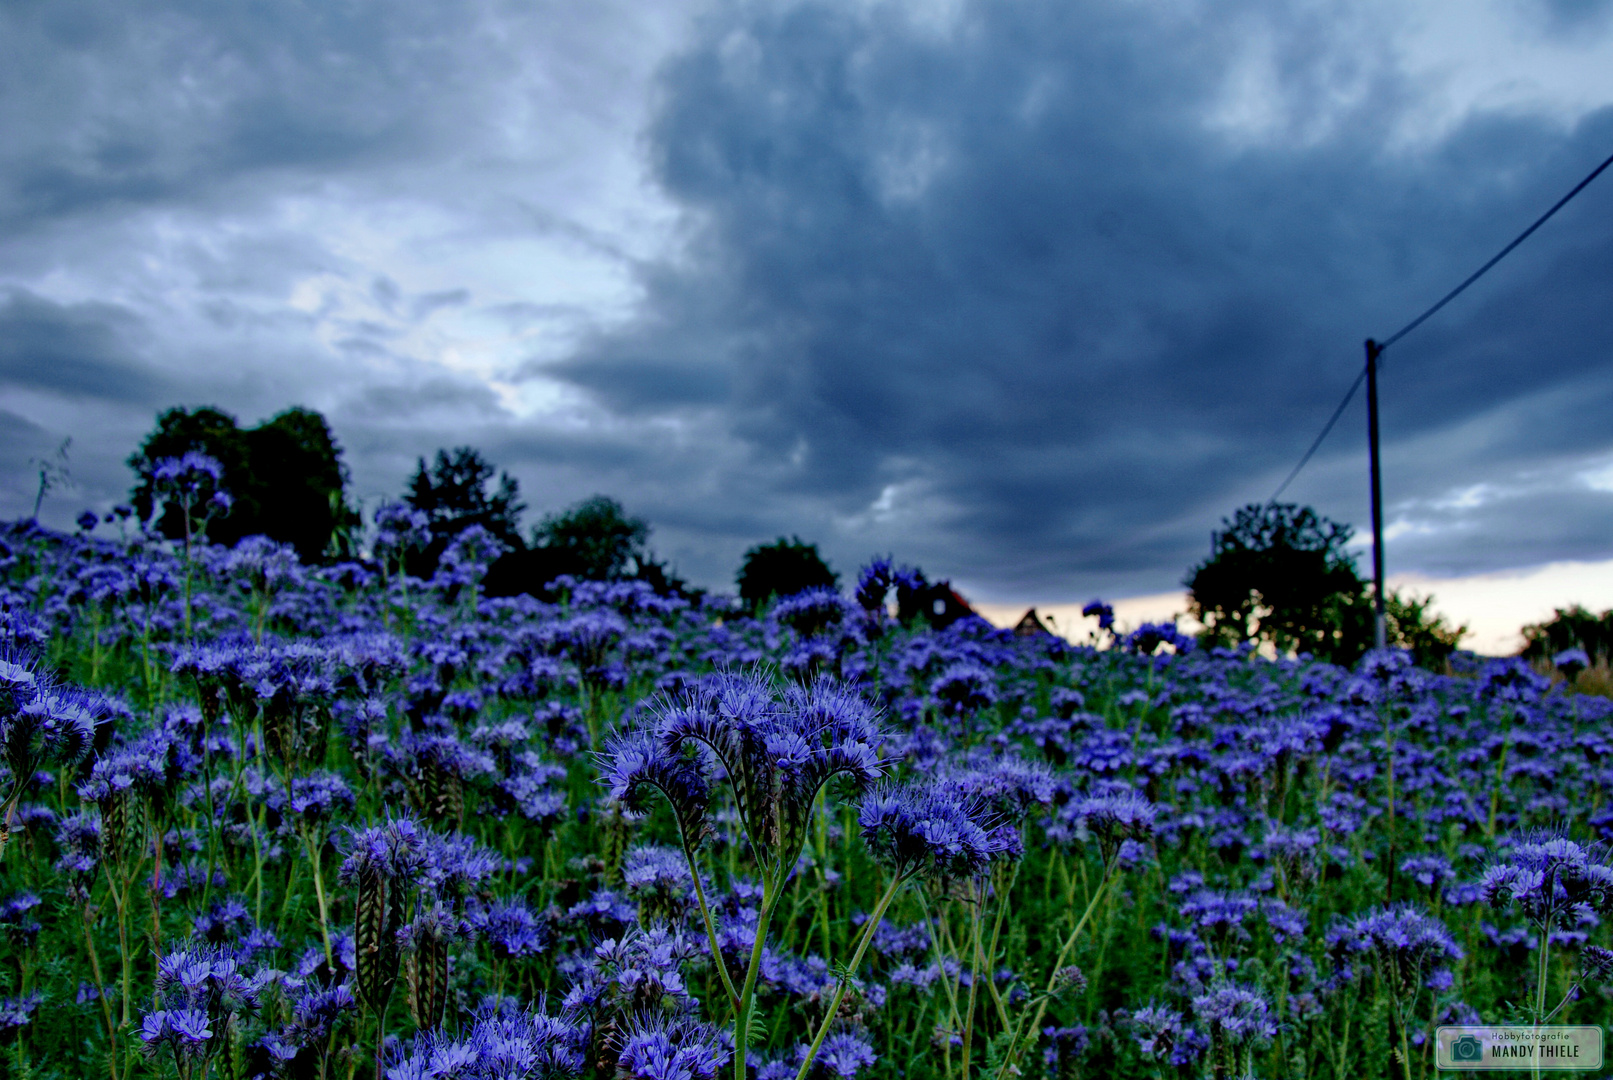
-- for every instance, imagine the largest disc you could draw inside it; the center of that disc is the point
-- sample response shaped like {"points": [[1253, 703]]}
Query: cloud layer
{"points": [[1032, 293]]}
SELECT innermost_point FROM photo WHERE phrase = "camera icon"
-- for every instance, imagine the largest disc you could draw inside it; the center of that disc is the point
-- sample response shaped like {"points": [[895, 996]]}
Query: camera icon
{"points": [[1467, 1048]]}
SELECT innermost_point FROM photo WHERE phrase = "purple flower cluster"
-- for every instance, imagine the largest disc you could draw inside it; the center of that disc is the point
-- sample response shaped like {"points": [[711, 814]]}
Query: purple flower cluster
{"points": [[1410, 949], [939, 831], [1550, 877], [775, 750], [1030, 805]]}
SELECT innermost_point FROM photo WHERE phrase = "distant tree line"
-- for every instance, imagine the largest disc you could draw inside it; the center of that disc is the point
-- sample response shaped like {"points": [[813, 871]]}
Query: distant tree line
{"points": [[1280, 574], [1571, 628], [594, 540], [1277, 574], [287, 481]]}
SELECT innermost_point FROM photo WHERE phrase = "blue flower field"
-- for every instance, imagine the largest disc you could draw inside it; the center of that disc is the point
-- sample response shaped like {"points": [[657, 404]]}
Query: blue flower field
{"points": [[264, 819]]}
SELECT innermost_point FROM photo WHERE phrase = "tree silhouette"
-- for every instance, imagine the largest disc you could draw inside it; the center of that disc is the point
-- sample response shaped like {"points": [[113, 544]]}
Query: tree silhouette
{"points": [[594, 540], [782, 568], [1279, 573], [601, 539], [453, 492], [286, 477]]}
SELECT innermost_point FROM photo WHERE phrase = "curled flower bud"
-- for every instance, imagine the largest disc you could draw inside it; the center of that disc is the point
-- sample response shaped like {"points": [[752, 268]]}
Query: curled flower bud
{"points": [[1070, 980], [776, 752], [660, 1047], [1548, 875], [637, 764], [427, 939], [1114, 818], [1409, 948], [382, 867]]}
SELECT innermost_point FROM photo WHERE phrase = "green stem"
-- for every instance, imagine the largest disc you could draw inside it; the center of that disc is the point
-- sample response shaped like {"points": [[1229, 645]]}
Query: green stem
{"points": [[100, 993], [974, 979], [1013, 1049], [770, 894], [711, 928], [953, 1016], [187, 569], [851, 970], [991, 953], [1540, 991], [257, 865], [820, 820], [315, 853], [119, 897]]}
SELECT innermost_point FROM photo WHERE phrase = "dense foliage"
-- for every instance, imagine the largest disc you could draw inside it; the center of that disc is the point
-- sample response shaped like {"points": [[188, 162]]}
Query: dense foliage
{"points": [[782, 568], [1281, 574], [605, 543], [266, 819], [285, 478], [1571, 628], [456, 492]]}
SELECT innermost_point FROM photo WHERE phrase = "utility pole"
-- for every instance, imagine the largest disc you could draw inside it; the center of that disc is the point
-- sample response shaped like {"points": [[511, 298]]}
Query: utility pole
{"points": [[1379, 628]]}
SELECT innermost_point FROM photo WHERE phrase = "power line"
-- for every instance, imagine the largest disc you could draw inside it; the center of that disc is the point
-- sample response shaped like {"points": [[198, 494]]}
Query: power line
{"points": [[1327, 427], [1419, 320], [1480, 272]]}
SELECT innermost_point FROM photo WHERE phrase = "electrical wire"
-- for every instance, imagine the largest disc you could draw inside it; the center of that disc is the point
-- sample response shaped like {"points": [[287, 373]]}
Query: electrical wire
{"points": [[1338, 412], [1419, 320]]}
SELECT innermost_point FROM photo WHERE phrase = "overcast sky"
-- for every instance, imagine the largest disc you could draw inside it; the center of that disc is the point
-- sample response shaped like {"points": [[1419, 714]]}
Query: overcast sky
{"points": [[1029, 292]]}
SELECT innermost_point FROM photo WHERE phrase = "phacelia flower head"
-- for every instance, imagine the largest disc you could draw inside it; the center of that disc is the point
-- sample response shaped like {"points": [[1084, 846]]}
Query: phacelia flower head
{"points": [[509, 927], [660, 880], [1112, 819], [383, 864], [1238, 1019], [393, 850], [193, 472], [1156, 1029], [206, 977], [663, 1047], [812, 611], [777, 751], [1550, 877], [1410, 949], [1147, 638], [842, 1056], [54, 726], [504, 1042], [1571, 662], [638, 764], [873, 585], [1104, 612], [399, 526], [186, 1032], [1429, 871], [917, 828], [964, 687], [317, 796], [1596, 964]]}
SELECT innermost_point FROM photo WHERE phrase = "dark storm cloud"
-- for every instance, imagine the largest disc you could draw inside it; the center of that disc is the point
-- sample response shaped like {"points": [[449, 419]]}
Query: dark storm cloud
{"points": [[382, 403], [1569, 16], [1033, 296], [110, 106], [75, 350], [1020, 264]]}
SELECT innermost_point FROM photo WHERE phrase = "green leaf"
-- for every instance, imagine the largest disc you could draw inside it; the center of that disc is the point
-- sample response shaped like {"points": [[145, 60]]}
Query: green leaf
{"points": [[755, 1030]]}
